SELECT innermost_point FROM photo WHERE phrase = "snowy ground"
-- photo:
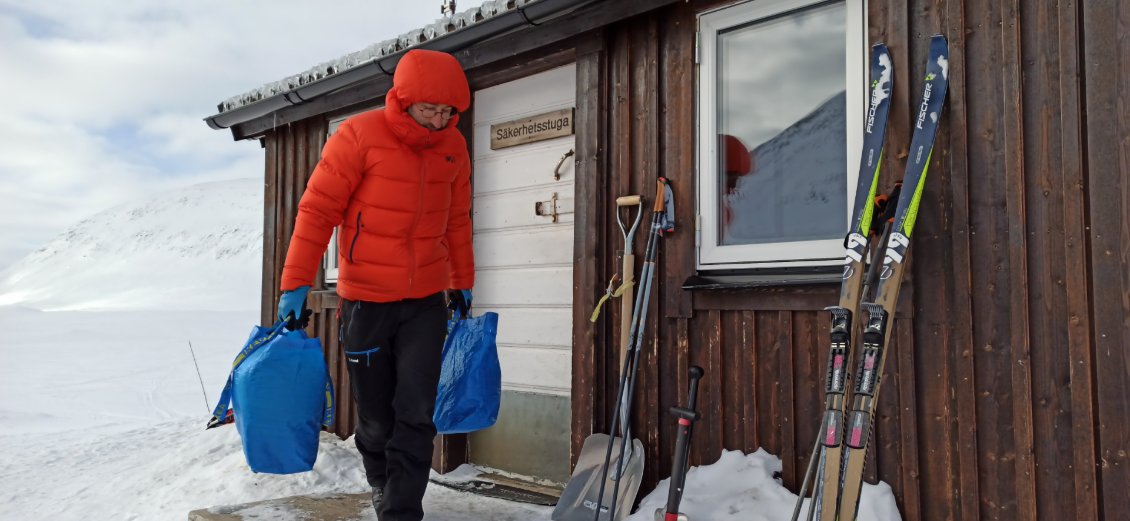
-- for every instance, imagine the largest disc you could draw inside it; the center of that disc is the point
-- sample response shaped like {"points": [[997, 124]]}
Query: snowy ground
{"points": [[101, 409], [102, 415], [102, 418]]}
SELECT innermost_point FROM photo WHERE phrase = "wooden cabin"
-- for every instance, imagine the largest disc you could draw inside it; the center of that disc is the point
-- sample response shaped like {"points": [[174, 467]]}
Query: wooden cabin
{"points": [[1007, 392]]}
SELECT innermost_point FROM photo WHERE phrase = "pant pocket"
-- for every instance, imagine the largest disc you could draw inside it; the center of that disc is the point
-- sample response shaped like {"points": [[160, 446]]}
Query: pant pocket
{"points": [[356, 357]]}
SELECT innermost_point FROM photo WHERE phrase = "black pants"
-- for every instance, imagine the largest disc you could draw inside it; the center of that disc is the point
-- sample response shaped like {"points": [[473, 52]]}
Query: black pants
{"points": [[393, 351]]}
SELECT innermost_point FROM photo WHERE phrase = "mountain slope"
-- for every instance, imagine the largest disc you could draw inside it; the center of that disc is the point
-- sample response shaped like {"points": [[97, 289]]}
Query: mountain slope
{"points": [[198, 247], [798, 188]]}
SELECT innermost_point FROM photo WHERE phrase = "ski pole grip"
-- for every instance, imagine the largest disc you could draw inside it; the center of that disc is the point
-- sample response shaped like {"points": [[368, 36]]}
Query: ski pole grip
{"points": [[686, 414], [628, 200], [660, 184]]}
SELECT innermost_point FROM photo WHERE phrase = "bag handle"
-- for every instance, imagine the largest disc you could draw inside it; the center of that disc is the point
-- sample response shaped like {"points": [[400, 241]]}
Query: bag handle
{"points": [[221, 409], [328, 411], [219, 414]]}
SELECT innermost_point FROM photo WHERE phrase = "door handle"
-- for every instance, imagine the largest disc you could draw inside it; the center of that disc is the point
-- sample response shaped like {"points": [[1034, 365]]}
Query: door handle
{"points": [[557, 171]]}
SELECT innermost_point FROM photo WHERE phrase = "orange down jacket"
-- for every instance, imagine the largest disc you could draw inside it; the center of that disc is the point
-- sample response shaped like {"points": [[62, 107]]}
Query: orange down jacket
{"points": [[400, 192]]}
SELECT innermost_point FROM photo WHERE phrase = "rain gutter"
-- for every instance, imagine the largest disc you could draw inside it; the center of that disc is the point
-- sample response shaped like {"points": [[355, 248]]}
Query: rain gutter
{"points": [[531, 14]]}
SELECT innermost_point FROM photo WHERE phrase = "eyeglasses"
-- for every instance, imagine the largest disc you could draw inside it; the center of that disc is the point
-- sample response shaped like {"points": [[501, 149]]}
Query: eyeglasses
{"points": [[431, 112]]}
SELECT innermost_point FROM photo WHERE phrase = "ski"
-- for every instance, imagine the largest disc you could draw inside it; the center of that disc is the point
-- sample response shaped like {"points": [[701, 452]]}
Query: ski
{"points": [[877, 331], [828, 447]]}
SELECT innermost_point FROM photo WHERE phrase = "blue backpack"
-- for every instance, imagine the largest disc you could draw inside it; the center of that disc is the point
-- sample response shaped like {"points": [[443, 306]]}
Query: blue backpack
{"points": [[281, 395]]}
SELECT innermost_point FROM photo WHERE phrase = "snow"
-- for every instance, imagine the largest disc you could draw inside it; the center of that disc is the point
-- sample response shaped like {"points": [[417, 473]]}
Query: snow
{"points": [[101, 409], [440, 27], [193, 248], [740, 487]]}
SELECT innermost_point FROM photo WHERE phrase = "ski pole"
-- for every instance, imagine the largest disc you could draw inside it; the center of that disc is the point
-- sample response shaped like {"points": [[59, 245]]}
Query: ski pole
{"points": [[808, 474], [639, 322]]}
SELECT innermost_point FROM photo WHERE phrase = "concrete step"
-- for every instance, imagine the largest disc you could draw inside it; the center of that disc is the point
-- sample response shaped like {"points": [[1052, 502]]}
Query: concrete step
{"points": [[323, 507], [467, 482]]}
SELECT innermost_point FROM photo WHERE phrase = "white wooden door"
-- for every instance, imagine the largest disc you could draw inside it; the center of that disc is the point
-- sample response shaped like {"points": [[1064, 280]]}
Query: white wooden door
{"points": [[523, 233]]}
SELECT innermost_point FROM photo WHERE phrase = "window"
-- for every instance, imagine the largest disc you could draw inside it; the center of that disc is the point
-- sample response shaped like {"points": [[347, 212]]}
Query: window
{"points": [[329, 262], [780, 107]]}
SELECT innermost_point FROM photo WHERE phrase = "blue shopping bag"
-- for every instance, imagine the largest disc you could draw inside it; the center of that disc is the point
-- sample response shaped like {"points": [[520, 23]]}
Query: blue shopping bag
{"points": [[281, 395], [470, 382]]}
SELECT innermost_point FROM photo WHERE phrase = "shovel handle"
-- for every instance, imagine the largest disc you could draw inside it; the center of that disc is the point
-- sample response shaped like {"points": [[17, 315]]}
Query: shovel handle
{"points": [[629, 200]]}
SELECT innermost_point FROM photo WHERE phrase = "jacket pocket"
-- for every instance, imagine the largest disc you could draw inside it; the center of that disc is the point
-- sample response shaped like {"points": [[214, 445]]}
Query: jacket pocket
{"points": [[356, 235]]}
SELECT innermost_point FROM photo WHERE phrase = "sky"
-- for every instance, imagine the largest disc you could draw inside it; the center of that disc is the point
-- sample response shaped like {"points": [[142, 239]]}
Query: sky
{"points": [[102, 102]]}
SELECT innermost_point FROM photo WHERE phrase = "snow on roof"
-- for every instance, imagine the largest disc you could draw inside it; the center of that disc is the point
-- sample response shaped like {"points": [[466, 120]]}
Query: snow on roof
{"points": [[441, 27]]}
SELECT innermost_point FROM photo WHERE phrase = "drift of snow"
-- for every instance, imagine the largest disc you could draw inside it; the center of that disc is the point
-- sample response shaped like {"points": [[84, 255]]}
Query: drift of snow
{"points": [[102, 414], [740, 487]]}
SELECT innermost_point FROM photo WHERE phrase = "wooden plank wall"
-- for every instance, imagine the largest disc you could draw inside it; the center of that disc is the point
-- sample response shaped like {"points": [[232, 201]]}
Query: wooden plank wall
{"points": [[292, 152], [1105, 183], [1007, 393]]}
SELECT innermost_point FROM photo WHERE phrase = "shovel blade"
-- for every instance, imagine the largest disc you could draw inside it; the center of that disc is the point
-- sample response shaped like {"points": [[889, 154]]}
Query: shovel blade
{"points": [[578, 500]]}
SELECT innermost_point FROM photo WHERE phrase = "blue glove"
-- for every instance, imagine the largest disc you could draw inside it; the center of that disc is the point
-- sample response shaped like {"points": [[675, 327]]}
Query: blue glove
{"points": [[459, 301], [292, 303]]}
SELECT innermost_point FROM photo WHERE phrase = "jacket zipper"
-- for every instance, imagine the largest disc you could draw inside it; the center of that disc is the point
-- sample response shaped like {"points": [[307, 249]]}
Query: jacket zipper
{"points": [[416, 220], [356, 234]]}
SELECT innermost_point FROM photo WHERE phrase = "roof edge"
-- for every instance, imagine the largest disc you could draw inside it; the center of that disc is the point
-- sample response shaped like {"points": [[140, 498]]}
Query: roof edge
{"points": [[464, 29]]}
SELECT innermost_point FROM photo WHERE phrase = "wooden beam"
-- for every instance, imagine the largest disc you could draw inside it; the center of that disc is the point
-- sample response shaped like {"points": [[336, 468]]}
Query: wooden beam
{"points": [[589, 347], [1077, 273], [1106, 24]]}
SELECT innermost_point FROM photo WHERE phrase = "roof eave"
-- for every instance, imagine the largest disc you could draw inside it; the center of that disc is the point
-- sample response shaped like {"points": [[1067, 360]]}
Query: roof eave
{"points": [[531, 14]]}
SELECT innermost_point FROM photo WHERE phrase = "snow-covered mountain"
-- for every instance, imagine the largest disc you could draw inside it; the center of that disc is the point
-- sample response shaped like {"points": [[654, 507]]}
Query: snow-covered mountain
{"points": [[198, 247], [802, 174]]}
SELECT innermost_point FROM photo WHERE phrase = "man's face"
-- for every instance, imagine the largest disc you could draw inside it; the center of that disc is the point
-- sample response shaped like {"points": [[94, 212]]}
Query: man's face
{"points": [[430, 115]]}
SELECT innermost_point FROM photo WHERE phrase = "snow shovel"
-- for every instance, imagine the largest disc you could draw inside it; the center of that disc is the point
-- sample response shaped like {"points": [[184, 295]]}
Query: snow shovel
{"points": [[593, 493], [577, 503], [686, 417], [627, 297]]}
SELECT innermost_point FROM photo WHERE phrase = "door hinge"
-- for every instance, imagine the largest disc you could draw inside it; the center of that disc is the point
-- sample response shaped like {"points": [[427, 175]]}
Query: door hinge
{"points": [[698, 231], [697, 47]]}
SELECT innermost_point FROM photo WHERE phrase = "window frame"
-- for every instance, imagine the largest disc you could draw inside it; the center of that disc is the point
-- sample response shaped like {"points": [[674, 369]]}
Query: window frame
{"points": [[808, 253]]}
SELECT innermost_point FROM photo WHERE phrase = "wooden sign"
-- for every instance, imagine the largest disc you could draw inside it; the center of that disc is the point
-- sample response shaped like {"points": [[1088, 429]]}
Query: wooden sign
{"points": [[529, 130]]}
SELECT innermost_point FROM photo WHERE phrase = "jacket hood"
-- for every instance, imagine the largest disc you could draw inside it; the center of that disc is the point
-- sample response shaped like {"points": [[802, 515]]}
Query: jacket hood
{"points": [[424, 76]]}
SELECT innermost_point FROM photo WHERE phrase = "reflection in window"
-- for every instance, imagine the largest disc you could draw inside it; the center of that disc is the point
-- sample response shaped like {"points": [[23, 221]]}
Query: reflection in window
{"points": [[782, 128]]}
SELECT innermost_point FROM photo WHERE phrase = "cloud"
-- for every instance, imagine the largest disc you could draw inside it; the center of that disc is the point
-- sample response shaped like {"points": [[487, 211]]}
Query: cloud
{"points": [[777, 72], [104, 100]]}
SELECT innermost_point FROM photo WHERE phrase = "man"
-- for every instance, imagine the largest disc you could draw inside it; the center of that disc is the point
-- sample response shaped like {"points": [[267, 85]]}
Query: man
{"points": [[397, 180]]}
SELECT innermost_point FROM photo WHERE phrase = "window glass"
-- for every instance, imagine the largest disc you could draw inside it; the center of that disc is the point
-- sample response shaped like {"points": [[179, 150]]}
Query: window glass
{"points": [[781, 123]]}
